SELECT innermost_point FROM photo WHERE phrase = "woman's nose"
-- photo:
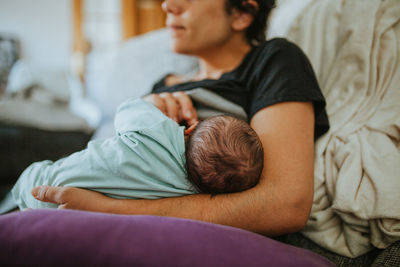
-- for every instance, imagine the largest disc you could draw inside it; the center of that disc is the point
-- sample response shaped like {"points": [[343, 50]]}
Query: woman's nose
{"points": [[173, 6]]}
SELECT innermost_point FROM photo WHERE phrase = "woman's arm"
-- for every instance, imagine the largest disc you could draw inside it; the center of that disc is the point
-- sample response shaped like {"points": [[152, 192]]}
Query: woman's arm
{"points": [[279, 204]]}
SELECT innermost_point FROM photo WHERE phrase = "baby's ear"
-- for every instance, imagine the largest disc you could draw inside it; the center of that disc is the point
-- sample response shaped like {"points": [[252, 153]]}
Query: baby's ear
{"points": [[189, 130]]}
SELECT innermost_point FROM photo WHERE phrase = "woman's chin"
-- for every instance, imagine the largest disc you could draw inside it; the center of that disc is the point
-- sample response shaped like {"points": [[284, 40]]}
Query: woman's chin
{"points": [[179, 48]]}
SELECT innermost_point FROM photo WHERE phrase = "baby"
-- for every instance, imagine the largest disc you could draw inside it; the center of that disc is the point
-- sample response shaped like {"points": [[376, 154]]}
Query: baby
{"points": [[153, 157]]}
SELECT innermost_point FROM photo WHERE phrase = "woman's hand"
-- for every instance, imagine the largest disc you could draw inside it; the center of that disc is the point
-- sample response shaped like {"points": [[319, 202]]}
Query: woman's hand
{"points": [[71, 198], [178, 106]]}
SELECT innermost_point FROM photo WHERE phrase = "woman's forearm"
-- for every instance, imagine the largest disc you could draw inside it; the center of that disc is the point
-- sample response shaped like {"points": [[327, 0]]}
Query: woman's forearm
{"points": [[254, 210], [264, 209]]}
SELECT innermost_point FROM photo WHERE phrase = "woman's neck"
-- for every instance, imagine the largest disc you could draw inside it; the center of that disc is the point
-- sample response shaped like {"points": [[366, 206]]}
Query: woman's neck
{"points": [[215, 62]]}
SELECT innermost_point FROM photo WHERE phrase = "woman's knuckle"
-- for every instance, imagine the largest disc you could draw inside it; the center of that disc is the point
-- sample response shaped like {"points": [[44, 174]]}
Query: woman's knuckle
{"points": [[179, 94], [165, 95], [43, 193]]}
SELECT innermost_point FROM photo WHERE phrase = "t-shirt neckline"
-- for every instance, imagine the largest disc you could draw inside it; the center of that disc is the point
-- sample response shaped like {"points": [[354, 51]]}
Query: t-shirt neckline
{"points": [[228, 73]]}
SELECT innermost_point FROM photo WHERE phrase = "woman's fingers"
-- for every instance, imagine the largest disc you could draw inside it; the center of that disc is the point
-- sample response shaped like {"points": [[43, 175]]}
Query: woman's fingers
{"points": [[178, 106], [172, 106], [166, 103], [157, 101], [49, 194], [187, 110], [70, 197]]}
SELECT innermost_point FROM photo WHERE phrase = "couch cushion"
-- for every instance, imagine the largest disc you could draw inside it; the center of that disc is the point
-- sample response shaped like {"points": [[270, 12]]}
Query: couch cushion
{"points": [[66, 237], [20, 146]]}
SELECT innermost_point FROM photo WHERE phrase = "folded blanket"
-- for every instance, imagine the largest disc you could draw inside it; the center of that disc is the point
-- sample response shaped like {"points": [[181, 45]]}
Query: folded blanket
{"points": [[354, 47]]}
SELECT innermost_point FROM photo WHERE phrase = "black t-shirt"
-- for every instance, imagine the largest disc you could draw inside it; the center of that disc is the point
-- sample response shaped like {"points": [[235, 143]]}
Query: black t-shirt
{"points": [[273, 72]]}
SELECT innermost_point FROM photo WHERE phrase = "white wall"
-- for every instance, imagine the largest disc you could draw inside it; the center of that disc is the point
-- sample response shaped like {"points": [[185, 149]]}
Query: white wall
{"points": [[45, 29]]}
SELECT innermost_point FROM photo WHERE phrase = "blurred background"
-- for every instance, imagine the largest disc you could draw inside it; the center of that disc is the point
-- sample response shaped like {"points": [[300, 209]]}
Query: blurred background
{"points": [[62, 36]]}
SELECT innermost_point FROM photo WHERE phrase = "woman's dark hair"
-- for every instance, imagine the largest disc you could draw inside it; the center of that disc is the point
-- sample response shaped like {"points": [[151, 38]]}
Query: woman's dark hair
{"points": [[255, 33]]}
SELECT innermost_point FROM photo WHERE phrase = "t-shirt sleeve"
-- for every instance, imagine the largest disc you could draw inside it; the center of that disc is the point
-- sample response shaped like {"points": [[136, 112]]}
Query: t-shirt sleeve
{"points": [[137, 114], [283, 73]]}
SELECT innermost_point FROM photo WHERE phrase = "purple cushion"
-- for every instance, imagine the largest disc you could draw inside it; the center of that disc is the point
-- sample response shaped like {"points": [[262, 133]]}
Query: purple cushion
{"points": [[66, 237]]}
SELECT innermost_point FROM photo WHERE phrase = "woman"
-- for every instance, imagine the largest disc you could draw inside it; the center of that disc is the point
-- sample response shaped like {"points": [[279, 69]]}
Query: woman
{"points": [[272, 81]]}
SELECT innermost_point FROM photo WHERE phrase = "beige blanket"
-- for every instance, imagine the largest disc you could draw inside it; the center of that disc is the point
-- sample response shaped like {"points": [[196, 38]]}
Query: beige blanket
{"points": [[354, 47]]}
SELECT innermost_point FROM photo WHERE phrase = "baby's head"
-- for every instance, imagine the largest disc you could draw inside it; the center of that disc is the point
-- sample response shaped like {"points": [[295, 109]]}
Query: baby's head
{"points": [[224, 155]]}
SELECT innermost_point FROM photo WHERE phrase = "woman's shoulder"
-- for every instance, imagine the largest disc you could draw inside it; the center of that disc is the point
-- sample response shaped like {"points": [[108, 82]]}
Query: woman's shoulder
{"points": [[280, 46], [276, 55], [281, 72], [269, 55]]}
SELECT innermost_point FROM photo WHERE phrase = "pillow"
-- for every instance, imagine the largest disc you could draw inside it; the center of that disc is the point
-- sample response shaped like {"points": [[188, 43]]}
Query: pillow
{"points": [[67, 237], [283, 16]]}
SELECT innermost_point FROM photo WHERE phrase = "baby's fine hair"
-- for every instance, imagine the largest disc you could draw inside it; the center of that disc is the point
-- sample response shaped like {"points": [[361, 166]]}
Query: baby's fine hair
{"points": [[224, 155]]}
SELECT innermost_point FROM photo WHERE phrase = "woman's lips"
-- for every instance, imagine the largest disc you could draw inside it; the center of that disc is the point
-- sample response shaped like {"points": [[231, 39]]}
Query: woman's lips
{"points": [[174, 26], [176, 29]]}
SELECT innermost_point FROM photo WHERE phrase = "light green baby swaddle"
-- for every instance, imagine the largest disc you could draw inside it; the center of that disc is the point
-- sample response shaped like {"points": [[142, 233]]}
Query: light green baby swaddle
{"points": [[145, 160]]}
